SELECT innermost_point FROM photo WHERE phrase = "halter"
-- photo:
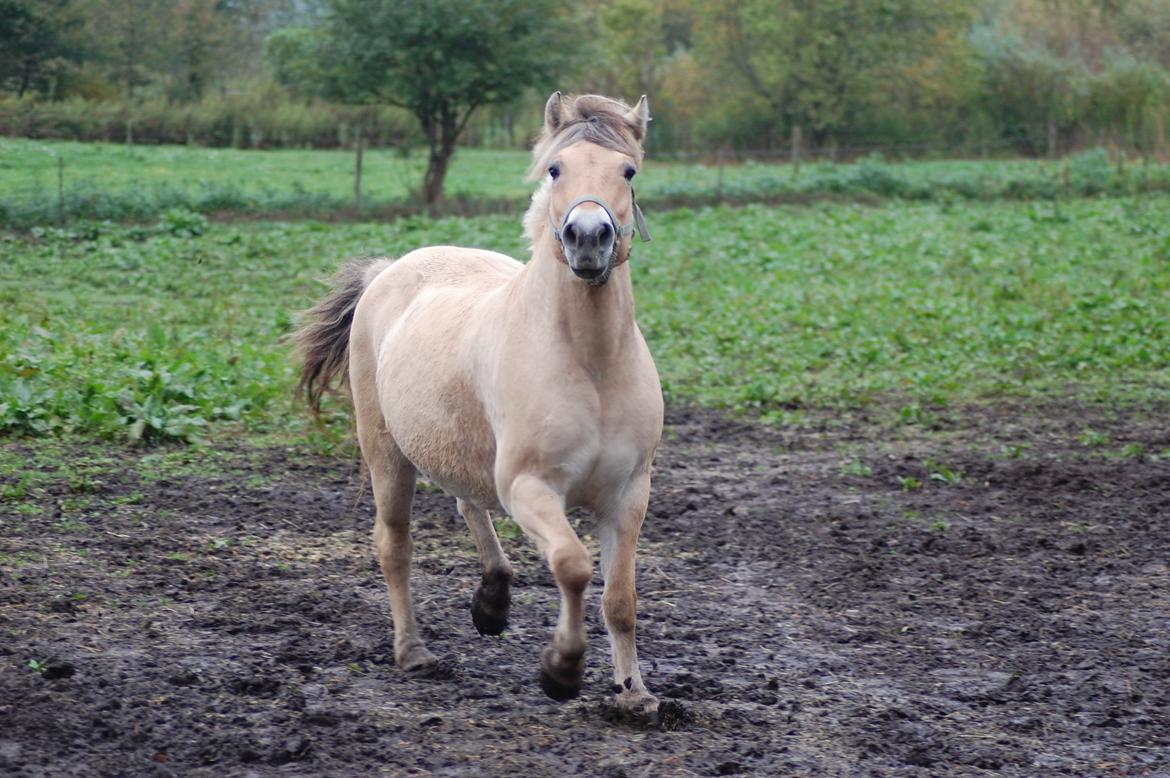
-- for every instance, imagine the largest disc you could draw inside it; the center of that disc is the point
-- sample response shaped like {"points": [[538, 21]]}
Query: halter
{"points": [[622, 230]]}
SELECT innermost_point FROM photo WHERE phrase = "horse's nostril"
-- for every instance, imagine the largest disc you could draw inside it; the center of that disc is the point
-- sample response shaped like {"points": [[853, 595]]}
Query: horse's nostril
{"points": [[604, 235], [570, 235]]}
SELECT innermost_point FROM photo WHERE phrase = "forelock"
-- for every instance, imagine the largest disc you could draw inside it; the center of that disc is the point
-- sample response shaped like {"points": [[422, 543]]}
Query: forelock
{"points": [[592, 119]]}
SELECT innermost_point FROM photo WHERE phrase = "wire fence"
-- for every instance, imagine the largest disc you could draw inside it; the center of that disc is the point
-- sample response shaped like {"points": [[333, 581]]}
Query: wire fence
{"points": [[54, 183]]}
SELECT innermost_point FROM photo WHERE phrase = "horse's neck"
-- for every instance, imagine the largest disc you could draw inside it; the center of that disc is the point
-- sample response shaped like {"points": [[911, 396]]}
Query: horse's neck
{"points": [[595, 322]]}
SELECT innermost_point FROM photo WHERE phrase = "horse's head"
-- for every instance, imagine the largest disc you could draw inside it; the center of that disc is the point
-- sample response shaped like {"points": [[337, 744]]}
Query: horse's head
{"points": [[588, 154]]}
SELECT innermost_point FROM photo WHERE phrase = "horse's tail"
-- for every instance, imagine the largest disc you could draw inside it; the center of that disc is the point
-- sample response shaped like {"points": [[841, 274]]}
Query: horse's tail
{"points": [[322, 341]]}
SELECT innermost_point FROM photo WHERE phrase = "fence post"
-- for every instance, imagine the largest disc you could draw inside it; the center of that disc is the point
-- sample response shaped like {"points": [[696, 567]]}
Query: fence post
{"points": [[60, 190], [795, 150], [719, 185], [357, 169]]}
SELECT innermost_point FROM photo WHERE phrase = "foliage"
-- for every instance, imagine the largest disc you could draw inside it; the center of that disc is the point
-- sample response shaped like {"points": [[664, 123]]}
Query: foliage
{"points": [[159, 332], [913, 76], [439, 59], [258, 119], [35, 43], [809, 60], [848, 305]]}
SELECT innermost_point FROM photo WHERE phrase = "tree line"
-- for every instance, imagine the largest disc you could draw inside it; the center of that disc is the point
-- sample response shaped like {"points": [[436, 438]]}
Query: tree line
{"points": [[807, 76]]}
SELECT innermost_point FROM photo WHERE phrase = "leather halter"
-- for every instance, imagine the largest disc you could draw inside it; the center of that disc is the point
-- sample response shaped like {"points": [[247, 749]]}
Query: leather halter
{"points": [[622, 230]]}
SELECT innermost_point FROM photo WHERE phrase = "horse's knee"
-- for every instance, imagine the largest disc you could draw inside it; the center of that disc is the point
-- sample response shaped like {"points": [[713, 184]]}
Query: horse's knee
{"points": [[621, 610], [572, 566], [392, 543]]}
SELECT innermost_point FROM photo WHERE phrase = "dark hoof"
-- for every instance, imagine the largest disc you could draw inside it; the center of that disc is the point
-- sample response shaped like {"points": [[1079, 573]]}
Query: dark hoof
{"points": [[490, 605], [488, 622], [557, 690], [561, 680]]}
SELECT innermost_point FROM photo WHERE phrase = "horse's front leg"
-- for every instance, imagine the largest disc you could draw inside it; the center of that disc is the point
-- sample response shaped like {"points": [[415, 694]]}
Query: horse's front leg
{"points": [[618, 531], [540, 511]]}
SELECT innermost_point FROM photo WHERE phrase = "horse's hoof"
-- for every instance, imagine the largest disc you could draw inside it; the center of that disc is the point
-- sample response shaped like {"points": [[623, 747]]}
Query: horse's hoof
{"points": [[490, 606], [555, 689], [560, 680], [414, 658], [488, 622], [639, 703]]}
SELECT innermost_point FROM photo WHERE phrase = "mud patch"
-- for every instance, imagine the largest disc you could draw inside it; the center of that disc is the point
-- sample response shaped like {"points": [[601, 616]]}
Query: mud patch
{"points": [[988, 596]]}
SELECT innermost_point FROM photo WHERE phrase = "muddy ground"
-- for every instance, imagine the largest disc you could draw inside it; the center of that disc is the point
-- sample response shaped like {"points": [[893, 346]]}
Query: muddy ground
{"points": [[805, 610]]}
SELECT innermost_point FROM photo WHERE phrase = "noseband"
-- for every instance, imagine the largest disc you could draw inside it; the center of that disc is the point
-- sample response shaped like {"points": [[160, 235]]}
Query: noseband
{"points": [[622, 230]]}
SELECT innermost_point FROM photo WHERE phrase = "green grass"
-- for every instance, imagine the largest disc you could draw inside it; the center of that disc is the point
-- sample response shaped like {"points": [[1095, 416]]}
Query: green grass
{"points": [[110, 181], [31, 167], [167, 332]]}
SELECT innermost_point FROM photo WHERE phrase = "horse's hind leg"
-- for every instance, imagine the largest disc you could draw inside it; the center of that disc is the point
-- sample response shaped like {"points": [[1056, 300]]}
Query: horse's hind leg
{"points": [[489, 607], [392, 478]]}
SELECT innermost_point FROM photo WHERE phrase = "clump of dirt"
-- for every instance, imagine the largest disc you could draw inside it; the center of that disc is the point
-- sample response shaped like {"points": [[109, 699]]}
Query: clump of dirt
{"points": [[986, 596]]}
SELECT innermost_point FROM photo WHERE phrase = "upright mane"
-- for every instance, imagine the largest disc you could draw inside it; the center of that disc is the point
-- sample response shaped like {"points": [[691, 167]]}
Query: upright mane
{"points": [[590, 118]]}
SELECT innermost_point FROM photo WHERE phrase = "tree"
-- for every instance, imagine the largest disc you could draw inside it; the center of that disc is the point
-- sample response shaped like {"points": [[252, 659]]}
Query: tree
{"points": [[632, 46], [439, 59], [808, 60], [35, 43], [200, 33], [128, 36]]}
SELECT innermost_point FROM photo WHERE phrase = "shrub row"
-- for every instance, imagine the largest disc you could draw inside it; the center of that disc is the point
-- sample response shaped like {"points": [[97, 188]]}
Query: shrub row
{"points": [[1084, 175], [234, 121]]}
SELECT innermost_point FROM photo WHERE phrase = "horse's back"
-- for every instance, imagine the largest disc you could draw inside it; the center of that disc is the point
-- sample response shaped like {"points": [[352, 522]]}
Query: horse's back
{"points": [[454, 267]]}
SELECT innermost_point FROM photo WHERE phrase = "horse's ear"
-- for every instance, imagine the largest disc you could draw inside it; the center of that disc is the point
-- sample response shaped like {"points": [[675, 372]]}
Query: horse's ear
{"points": [[639, 116], [554, 112]]}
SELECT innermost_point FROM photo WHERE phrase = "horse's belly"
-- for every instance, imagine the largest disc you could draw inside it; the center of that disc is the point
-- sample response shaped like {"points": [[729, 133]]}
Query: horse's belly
{"points": [[436, 419], [457, 458]]}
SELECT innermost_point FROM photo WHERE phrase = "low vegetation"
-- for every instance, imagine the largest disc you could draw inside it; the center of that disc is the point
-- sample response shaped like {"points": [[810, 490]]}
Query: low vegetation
{"points": [[48, 182], [167, 330]]}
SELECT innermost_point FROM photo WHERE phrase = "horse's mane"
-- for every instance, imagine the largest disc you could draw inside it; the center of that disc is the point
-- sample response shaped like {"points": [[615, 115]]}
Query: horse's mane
{"points": [[589, 118]]}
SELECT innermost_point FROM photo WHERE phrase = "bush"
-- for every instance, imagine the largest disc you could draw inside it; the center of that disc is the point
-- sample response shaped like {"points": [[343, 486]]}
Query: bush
{"points": [[252, 120]]}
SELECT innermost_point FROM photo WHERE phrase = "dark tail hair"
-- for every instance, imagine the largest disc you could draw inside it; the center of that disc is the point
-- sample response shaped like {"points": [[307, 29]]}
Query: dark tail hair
{"points": [[322, 341]]}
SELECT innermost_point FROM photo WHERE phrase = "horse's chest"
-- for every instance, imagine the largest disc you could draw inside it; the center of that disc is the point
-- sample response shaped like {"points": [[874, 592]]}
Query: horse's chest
{"points": [[578, 453]]}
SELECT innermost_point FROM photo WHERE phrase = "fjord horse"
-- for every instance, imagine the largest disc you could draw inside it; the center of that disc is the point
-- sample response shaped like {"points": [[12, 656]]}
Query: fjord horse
{"points": [[518, 388]]}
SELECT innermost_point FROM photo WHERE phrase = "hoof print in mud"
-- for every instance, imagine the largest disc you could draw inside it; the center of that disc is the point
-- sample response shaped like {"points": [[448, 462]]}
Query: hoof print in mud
{"points": [[673, 715], [437, 670], [667, 716]]}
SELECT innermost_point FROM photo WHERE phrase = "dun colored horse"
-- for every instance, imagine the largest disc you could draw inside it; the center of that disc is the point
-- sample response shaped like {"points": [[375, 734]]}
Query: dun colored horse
{"points": [[523, 388]]}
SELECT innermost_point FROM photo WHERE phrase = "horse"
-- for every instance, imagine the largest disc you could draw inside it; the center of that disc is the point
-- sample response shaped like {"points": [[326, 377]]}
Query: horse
{"points": [[519, 388]]}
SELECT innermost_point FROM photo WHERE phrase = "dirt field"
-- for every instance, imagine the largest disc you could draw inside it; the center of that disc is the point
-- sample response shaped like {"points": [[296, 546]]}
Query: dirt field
{"points": [[803, 611]]}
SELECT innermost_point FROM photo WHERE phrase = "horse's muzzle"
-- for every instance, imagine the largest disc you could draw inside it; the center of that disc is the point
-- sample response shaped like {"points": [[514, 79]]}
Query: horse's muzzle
{"points": [[600, 275], [588, 239]]}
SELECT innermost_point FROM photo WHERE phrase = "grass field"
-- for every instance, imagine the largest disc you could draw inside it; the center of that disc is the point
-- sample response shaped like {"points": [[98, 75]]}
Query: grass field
{"points": [[158, 332], [108, 181], [962, 493]]}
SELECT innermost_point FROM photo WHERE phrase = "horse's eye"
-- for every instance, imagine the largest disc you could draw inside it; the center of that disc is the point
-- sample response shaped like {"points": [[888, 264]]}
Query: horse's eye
{"points": [[554, 170], [630, 171]]}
